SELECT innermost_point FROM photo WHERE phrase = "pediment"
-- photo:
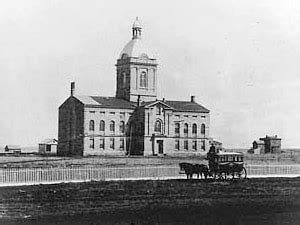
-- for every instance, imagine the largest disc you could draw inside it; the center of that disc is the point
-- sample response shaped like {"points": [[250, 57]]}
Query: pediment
{"points": [[160, 104]]}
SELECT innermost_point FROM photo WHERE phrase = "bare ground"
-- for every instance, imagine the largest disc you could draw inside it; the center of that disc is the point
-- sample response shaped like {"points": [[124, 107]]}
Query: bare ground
{"points": [[30, 161], [251, 201]]}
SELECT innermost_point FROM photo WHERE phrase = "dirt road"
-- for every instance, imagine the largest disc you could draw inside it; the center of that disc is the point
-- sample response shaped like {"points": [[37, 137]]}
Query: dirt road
{"points": [[253, 201]]}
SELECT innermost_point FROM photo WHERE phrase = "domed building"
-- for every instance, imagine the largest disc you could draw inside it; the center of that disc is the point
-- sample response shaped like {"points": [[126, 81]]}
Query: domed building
{"points": [[135, 121]]}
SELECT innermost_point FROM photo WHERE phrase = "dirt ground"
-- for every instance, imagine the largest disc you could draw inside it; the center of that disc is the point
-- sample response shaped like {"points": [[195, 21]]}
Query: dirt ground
{"points": [[251, 201]]}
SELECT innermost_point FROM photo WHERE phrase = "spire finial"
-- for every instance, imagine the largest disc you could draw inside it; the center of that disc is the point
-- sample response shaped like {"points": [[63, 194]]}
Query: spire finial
{"points": [[136, 29]]}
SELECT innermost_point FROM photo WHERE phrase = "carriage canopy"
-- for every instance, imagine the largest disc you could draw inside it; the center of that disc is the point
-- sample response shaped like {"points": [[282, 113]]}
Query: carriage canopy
{"points": [[228, 157]]}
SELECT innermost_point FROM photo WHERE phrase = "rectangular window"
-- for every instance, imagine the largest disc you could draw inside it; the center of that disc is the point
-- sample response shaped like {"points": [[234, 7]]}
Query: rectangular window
{"points": [[177, 144], [112, 113], [186, 116], [186, 145], [112, 143], [92, 143], [194, 116], [194, 146], [92, 111], [102, 144], [102, 113], [202, 116], [122, 144], [203, 145], [158, 110]]}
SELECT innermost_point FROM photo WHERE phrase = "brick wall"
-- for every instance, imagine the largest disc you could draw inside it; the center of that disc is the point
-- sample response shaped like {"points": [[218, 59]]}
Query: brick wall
{"points": [[70, 127], [112, 140]]}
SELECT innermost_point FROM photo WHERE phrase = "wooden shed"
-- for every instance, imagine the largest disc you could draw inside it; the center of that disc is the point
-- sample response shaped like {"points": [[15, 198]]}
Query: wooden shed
{"points": [[48, 146]]}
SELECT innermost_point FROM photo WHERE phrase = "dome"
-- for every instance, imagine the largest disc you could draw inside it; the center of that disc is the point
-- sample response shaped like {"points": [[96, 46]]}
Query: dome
{"points": [[136, 48]]}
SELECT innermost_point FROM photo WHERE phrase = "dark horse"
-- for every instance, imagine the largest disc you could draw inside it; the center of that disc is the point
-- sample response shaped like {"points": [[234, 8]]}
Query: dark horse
{"points": [[190, 169]]}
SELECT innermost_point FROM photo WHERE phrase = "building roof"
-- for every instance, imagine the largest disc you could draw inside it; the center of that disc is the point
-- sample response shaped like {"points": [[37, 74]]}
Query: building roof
{"points": [[106, 102], [49, 141], [270, 137], [186, 106], [180, 106], [12, 147], [229, 153]]}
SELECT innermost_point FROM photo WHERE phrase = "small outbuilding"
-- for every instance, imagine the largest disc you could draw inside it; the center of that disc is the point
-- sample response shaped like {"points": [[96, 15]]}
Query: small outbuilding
{"points": [[12, 149], [218, 145], [48, 146], [258, 147]]}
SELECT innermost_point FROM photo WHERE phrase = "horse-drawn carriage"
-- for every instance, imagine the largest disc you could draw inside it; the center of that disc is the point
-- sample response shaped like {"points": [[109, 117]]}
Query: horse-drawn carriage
{"points": [[221, 165]]}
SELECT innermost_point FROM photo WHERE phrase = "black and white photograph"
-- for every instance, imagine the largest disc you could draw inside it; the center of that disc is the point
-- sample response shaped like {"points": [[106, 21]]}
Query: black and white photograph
{"points": [[149, 112]]}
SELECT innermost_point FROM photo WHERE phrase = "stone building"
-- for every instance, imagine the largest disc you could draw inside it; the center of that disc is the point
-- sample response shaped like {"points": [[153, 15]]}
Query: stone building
{"points": [[135, 122], [272, 144], [268, 144]]}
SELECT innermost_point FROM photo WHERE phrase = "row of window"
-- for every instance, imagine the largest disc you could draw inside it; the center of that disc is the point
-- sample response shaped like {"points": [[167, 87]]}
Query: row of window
{"points": [[186, 128], [186, 145], [111, 126], [158, 128], [111, 143]]}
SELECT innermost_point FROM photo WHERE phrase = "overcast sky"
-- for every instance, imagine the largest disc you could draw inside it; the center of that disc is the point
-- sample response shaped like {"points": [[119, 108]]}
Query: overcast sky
{"points": [[239, 58]]}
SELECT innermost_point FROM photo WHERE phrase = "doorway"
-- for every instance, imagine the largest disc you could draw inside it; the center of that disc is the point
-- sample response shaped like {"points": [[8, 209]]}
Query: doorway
{"points": [[160, 144]]}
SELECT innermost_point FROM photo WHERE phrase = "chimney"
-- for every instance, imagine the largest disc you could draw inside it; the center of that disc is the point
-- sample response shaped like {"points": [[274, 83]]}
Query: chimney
{"points": [[72, 88], [192, 98], [138, 100], [163, 99]]}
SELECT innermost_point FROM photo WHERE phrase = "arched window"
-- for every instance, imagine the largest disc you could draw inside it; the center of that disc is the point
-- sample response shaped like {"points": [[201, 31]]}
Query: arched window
{"points": [[185, 129], [122, 127], [202, 128], [194, 129], [177, 128], [143, 80], [92, 125], [112, 126], [158, 126], [102, 126]]}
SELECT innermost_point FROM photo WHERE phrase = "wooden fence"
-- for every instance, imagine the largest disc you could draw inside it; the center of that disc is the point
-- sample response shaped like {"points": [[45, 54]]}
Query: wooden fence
{"points": [[19, 176]]}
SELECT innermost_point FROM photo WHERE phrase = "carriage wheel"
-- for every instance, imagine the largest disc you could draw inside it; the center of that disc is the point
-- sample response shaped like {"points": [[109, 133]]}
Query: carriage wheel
{"points": [[223, 176], [243, 174]]}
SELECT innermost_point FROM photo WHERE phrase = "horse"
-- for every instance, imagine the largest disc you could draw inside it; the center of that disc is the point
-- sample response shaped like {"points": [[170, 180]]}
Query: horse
{"points": [[201, 169], [190, 169], [187, 168]]}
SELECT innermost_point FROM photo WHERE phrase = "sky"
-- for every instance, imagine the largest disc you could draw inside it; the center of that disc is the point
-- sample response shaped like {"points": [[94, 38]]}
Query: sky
{"points": [[239, 58]]}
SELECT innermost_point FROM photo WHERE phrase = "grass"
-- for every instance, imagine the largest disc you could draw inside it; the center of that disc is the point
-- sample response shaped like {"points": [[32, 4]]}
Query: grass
{"points": [[253, 201]]}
